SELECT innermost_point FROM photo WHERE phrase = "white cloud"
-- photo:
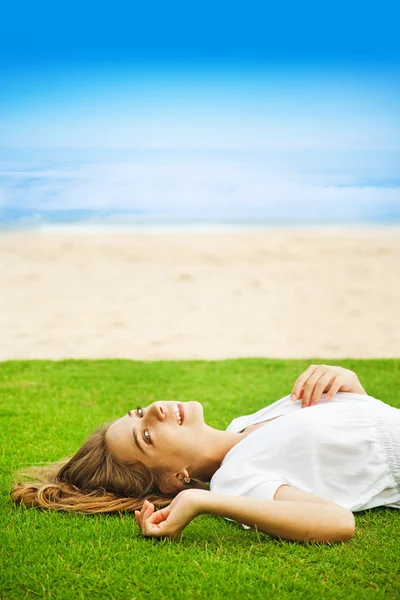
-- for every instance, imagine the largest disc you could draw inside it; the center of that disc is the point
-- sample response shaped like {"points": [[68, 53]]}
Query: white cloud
{"points": [[202, 186]]}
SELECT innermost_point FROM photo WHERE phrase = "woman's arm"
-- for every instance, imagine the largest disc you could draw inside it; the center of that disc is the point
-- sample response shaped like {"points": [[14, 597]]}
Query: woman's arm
{"points": [[297, 521]]}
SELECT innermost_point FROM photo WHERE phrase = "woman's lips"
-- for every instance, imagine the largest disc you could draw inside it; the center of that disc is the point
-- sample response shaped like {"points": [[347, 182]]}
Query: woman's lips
{"points": [[182, 412]]}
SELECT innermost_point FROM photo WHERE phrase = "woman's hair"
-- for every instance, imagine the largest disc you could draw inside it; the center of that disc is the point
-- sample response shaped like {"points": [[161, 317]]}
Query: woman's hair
{"points": [[94, 481]]}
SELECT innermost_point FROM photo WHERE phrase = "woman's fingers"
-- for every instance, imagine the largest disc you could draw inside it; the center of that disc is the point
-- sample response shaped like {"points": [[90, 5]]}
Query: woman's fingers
{"points": [[150, 509], [308, 381], [301, 380], [159, 516], [336, 385], [149, 520], [311, 384], [146, 511], [312, 395], [156, 525], [310, 387]]}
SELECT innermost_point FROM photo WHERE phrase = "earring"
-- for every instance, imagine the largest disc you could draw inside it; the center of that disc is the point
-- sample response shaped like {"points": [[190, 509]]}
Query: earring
{"points": [[187, 479]]}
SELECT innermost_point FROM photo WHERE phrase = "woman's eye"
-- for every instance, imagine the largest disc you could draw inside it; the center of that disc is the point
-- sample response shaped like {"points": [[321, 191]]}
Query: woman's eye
{"points": [[147, 436], [139, 411]]}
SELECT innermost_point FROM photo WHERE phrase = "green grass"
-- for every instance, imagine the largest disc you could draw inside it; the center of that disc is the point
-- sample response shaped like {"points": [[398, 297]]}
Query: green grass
{"points": [[49, 408]]}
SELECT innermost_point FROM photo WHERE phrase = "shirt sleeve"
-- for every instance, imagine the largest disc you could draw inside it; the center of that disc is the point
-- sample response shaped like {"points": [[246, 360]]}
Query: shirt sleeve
{"points": [[264, 491]]}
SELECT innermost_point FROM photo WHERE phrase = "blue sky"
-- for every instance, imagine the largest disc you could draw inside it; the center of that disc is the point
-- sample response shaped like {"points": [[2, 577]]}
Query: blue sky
{"points": [[208, 33], [200, 75], [257, 107], [308, 101]]}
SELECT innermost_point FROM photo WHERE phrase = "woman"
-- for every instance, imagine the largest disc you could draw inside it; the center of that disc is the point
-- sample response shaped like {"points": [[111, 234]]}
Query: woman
{"points": [[292, 473]]}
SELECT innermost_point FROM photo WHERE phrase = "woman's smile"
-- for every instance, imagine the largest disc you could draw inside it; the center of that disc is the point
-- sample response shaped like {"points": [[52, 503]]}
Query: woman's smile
{"points": [[178, 412]]}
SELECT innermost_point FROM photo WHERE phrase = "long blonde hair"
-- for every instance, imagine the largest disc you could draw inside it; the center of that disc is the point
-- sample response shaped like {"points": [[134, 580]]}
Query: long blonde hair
{"points": [[94, 481]]}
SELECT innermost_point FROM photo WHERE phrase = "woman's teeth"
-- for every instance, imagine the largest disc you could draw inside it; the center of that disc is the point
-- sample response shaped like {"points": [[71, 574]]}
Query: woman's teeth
{"points": [[177, 412]]}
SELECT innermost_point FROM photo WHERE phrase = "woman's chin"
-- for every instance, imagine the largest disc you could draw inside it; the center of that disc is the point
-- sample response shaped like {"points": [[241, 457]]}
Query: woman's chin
{"points": [[193, 410]]}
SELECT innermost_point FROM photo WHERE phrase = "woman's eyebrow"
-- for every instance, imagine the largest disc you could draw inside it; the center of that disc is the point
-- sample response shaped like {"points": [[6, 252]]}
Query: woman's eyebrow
{"points": [[135, 437], [137, 441]]}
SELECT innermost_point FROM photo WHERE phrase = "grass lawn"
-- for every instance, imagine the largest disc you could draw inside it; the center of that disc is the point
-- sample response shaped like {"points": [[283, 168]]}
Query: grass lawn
{"points": [[49, 408]]}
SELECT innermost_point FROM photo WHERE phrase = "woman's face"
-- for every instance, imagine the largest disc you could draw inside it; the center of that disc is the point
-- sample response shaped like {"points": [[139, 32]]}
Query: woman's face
{"points": [[166, 435]]}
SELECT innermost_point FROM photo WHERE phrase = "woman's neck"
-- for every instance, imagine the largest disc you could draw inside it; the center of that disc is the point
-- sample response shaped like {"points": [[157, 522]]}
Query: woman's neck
{"points": [[217, 444]]}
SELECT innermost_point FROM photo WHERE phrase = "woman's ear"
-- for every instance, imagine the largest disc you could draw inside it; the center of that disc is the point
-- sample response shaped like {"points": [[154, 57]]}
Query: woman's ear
{"points": [[168, 481], [183, 474]]}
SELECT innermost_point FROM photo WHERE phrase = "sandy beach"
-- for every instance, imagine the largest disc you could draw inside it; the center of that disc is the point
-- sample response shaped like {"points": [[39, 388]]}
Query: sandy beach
{"points": [[263, 293]]}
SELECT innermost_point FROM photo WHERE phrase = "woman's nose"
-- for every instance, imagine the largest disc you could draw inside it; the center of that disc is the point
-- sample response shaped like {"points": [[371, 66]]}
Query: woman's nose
{"points": [[158, 411]]}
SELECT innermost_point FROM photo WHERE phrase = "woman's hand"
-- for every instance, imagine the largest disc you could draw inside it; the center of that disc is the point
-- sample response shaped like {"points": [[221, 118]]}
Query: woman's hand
{"points": [[318, 379], [171, 520]]}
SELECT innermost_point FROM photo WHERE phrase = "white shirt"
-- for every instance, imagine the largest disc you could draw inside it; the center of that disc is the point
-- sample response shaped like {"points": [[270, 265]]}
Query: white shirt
{"points": [[346, 449]]}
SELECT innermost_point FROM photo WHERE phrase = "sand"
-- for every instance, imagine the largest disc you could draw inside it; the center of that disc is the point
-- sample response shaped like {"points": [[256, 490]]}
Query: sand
{"points": [[283, 293]]}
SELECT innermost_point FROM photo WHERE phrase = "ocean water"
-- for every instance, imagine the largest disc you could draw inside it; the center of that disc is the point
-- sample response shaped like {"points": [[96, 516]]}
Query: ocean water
{"points": [[101, 190]]}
